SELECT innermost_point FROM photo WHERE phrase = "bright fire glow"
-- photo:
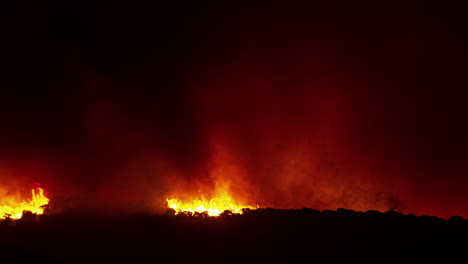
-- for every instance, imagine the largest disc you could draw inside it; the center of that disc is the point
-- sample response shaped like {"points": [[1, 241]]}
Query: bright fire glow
{"points": [[12, 207], [213, 207]]}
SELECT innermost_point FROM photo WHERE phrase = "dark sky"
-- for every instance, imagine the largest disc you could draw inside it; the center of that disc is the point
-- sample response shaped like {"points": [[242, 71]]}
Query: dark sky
{"points": [[327, 105]]}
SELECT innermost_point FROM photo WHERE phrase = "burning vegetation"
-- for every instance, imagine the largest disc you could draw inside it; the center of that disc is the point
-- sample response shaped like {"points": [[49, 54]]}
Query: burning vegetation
{"points": [[13, 206], [213, 207]]}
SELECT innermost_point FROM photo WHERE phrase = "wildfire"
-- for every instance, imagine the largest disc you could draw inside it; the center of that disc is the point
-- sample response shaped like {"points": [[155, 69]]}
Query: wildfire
{"points": [[12, 207], [213, 207]]}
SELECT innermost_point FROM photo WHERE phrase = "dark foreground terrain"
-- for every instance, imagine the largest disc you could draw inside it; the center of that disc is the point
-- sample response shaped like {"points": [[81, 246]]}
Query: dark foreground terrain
{"points": [[260, 236]]}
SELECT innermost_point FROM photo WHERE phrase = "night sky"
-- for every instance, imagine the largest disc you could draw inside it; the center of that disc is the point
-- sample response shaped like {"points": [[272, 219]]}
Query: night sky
{"points": [[361, 106]]}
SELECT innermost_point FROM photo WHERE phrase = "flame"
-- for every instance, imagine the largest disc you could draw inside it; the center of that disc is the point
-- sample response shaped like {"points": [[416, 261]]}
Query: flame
{"points": [[12, 207], [213, 207], [220, 201], [225, 188]]}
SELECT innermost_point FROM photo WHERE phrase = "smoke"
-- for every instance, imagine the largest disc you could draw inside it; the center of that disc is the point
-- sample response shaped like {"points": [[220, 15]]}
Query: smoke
{"points": [[291, 108]]}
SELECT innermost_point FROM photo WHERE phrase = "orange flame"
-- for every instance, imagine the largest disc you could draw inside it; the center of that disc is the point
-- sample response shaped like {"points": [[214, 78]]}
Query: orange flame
{"points": [[223, 188], [219, 201], [213, 207], [12, 207]]}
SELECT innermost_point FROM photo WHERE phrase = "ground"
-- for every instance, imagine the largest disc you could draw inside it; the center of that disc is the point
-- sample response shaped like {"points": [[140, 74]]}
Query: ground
{"points": [[262, 235]]}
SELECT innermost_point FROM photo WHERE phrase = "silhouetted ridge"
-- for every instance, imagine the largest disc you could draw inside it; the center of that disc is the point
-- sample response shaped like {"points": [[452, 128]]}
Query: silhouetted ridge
{"points": [[264, 234]]}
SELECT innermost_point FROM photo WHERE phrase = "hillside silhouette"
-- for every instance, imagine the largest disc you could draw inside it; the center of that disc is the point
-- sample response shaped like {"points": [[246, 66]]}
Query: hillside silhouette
{"points": [[260, 236]]}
